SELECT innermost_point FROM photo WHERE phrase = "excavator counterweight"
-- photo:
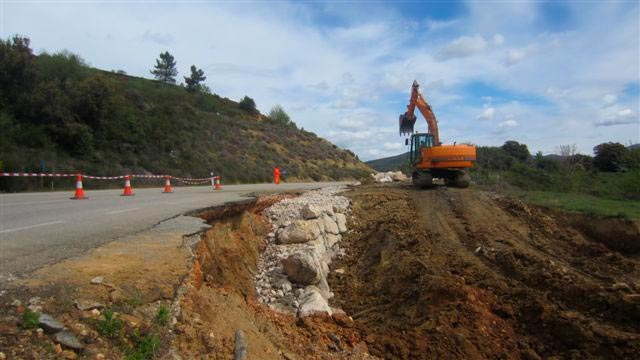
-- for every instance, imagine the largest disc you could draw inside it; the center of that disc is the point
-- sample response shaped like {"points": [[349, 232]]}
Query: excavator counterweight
{"points": [[428, 156]]}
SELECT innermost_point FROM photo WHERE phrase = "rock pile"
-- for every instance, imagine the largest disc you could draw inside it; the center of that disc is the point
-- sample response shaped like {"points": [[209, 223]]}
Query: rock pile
{"points": [[389, 176], [292, 271]]}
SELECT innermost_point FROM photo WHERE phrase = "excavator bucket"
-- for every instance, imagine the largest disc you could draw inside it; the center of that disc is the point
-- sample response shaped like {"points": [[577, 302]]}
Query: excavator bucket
{"points": [[406, 124]]}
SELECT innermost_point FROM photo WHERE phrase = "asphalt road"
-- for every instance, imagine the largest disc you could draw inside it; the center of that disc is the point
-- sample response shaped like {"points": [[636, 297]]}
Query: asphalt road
{"points": [[43, 228]]}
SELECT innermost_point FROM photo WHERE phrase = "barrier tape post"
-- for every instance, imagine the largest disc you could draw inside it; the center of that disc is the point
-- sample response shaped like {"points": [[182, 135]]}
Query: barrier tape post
{"points": [[127, 187], [167, 186], [79, 194], [217, 186]]}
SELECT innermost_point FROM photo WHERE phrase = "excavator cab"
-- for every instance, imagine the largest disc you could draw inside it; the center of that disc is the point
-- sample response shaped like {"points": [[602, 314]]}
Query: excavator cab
{"points": [[419, 141]]}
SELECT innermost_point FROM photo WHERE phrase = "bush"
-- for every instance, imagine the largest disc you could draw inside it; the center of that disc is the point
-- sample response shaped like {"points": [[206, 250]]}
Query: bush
{"points": [[247, 104], [609, 156], [109, 326]]}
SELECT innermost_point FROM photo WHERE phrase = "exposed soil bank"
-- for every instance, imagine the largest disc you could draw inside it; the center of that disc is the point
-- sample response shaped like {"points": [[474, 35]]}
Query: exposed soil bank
{"points": [[452, 273], [221, 299]]}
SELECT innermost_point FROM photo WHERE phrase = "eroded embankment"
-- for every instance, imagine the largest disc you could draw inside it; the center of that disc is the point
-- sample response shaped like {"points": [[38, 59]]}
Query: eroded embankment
{"points": [[451, 273], [221, 298]]}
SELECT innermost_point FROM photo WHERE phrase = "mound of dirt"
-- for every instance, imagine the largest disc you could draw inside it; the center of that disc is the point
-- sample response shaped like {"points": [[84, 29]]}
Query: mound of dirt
{"points": [[452, 273]]}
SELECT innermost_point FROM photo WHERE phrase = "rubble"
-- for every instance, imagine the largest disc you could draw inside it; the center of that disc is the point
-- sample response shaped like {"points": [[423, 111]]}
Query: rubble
{"points": [[292, 271], [389, 176]]}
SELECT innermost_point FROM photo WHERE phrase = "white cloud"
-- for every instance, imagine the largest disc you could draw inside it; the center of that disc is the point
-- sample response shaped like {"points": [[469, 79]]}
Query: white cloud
{"points": [[508, 123], [462, 47], [514, 56], [498, 39], [620, 117], [487, 114], [609, 98]]}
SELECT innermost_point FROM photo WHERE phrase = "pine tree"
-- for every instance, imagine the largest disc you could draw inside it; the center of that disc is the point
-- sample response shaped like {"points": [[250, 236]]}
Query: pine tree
{"points": [[165, 69], [193, 82]]}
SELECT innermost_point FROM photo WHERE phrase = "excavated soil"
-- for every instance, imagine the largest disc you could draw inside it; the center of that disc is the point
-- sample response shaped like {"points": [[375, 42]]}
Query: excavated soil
{"points": [[458, 273]]}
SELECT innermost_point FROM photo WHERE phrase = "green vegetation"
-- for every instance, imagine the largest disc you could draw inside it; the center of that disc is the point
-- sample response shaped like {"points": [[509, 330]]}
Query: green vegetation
{"points": [[109, 326], [165, 69], [194, 81], [391, 163], [607, 184], [145, 347], [30, 319], [59, 115], [162, 315], [583, 203]]}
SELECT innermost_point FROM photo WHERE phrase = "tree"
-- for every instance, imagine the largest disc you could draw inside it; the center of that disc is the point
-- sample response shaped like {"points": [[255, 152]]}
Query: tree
{"points": [[278, 114], [247, 104], [165, 69], [193, 81], [517, 150], [609, 156]]}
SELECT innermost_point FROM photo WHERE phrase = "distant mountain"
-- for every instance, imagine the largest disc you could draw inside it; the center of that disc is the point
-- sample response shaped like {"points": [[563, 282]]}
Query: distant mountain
{"points": [[391, 163], [633, 147]]}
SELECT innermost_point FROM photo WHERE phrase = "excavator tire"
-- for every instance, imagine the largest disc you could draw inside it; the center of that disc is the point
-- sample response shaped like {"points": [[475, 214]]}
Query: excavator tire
{"points": [[462, 180], [422, 179]]}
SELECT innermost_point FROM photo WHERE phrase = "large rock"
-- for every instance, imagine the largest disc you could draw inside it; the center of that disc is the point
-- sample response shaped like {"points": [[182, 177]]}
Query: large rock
{"points": [[312, 302], [342, 223], [330, 226], [68, 339], [303, 268], [49, 324], [332, 239], [310, 212], [300, 231]]}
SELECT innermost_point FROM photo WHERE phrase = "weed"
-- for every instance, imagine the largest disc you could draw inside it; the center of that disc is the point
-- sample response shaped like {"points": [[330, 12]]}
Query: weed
{"points": [[30, 319], [110, 326], [146, 347], [162, 315]]}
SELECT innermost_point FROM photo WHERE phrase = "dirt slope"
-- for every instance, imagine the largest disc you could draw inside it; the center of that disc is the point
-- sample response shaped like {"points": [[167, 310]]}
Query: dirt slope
{"points": [[451, 273]]}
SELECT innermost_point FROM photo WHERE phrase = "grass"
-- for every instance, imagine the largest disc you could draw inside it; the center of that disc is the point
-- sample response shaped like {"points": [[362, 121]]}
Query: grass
{"points": [[146, 347], [582, 203], [30, 319], [162, 315], [109, 326]]}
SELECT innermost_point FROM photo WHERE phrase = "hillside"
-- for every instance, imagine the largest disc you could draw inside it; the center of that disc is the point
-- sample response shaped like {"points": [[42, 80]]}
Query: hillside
{"points": [[391, 163], [59, 115]]}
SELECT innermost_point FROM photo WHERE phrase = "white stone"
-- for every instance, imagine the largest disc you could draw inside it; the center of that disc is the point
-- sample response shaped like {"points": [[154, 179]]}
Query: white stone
{"points": [[330, 226], [299, 232], [312, 302], [310, 212], [303, 268], [342, 222]]}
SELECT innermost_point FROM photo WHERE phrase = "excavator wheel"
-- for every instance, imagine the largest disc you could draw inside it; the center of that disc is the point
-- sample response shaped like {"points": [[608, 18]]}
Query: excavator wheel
{"points": [[421, 179], [462, 180]]}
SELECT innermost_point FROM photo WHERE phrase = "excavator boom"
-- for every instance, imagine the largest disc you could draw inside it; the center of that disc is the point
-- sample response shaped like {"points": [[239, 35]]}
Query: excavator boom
{"points": [[408, 119]]}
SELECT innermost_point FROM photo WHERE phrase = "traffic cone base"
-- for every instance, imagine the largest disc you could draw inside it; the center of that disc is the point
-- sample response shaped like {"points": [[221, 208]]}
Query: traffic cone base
{"points": [[218, 187], [79, 195]]}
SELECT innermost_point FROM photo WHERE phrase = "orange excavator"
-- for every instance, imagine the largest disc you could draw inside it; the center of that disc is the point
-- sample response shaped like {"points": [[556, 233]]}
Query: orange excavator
{"points": [[429, 158]]}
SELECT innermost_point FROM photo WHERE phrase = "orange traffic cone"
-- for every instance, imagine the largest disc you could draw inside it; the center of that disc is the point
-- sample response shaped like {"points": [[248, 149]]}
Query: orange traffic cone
{"points": [[167, 187], [218, 187], [127, 187], [79, 195]]}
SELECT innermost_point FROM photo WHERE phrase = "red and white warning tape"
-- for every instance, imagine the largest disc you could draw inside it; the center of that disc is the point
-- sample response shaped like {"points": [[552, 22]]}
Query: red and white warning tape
{"points": [[191, 181]]}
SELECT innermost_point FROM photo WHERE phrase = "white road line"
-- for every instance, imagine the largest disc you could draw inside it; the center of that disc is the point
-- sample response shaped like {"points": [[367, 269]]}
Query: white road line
{"points": [[121, 211], [31, 226]]}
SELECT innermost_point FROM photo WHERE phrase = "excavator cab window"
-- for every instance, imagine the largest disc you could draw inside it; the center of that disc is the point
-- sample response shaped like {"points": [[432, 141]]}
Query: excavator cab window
{"points": [[418, 142]]}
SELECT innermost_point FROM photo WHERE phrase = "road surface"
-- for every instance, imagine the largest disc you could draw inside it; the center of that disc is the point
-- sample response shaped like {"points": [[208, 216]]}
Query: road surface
{"points": [[43, 228]]}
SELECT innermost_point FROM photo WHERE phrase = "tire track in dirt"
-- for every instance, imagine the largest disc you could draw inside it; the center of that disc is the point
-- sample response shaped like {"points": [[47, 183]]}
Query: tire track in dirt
{"points": [[475, 275]]}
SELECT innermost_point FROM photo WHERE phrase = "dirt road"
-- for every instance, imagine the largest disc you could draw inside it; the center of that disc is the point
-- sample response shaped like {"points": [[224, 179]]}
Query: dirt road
{"points": [[452, 273]]}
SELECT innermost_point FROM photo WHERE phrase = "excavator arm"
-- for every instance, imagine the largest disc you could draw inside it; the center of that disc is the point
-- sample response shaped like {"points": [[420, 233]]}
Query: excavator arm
{"points": [[408, 119]]}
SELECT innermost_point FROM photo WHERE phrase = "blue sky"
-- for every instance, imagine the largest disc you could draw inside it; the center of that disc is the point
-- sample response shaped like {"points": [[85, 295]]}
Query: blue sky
{"points": [[543, 73]]}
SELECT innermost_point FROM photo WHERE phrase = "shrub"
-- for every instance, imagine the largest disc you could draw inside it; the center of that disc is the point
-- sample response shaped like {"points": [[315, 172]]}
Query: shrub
{"points": [[30, 319]]}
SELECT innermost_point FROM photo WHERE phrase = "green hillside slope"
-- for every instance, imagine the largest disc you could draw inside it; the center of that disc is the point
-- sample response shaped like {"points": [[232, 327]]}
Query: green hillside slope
{"points": [[391, 163], [57, 113]]}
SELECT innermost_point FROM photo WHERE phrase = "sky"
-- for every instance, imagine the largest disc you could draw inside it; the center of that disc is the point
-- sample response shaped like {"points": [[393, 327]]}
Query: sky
{"points": [[544, 73]]}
